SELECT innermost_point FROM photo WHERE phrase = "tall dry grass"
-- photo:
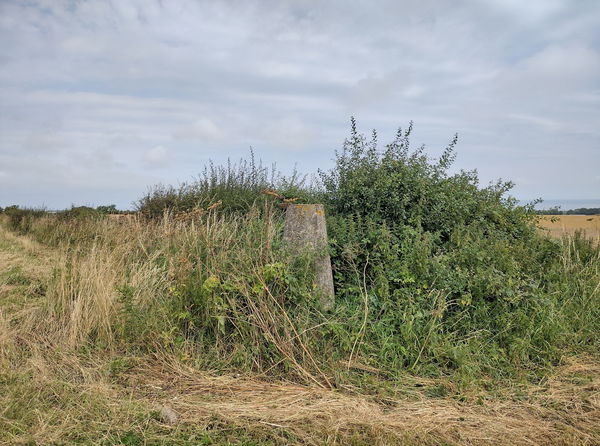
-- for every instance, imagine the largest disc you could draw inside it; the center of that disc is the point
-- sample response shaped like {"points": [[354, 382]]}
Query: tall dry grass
{"points": [[213, 287], [81, 299]]}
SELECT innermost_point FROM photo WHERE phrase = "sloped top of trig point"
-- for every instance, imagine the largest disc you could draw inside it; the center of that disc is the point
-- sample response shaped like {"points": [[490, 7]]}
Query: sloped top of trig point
{"points": [[308, 208]]}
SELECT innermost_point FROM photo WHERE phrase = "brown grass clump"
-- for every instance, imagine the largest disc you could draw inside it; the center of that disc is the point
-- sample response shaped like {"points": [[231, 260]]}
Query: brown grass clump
{"points": [[564, 410]]}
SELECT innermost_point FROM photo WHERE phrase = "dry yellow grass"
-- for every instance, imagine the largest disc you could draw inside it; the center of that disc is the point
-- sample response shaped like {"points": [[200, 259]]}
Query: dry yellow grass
{"points": [[558, 225], [564, 410]]}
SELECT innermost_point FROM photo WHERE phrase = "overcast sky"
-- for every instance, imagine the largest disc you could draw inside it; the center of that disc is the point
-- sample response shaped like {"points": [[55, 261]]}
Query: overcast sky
{"points": [[101, 99]]}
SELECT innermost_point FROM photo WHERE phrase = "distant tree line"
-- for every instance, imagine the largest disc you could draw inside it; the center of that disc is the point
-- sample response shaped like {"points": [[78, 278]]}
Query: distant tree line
{"points": [[579, 211], [22, 218], [74, 211]]}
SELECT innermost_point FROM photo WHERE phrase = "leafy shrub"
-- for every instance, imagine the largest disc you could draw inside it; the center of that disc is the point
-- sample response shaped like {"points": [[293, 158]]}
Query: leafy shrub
{"points": [[21, 219], [237, 187], [448, 275], [108, 209], [402, 188], [80, 212]]}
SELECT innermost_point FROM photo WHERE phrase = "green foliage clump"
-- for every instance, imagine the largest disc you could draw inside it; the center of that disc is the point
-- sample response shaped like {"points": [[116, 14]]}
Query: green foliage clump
{"points": [[237, 187], [446, 275], [80, 213], [108, 209], [21, 219], [406, 188]]}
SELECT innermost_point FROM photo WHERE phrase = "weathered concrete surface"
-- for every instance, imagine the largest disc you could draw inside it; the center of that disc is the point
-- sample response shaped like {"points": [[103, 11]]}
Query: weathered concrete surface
{"points": [[305, 228]]}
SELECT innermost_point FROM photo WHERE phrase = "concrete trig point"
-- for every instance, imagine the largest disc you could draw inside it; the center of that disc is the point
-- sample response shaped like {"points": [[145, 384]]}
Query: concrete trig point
{"points": [[305, 228]]}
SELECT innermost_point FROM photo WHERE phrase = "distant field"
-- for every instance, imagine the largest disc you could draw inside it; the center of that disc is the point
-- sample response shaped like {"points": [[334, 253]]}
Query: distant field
{"points": [[558, 225]]}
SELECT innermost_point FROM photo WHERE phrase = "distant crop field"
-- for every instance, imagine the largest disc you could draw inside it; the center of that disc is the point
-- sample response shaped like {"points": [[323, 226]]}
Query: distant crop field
{"points": [[558, 225]]}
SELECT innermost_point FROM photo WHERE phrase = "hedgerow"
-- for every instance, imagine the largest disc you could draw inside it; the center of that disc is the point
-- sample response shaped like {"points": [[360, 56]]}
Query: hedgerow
{"points": [[434, 274]]}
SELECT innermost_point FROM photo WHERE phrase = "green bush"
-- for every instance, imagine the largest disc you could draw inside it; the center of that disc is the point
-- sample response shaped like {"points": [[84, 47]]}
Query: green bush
{"points": [[108, 209], [446, 275], [404, 187], [236, 187], [80, 213], [21, 219]]}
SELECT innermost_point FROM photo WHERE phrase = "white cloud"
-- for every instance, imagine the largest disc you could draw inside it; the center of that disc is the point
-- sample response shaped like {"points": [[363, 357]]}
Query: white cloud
{"points": [[157, 157], [537, 120], [202, 129], [289, 134], [530, 10], [45, 141], [374, 90], [565, 63]]}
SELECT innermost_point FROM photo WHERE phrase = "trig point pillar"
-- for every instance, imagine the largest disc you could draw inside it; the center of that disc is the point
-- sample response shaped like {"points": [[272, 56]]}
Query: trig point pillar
{"points": [[305, 228]]}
